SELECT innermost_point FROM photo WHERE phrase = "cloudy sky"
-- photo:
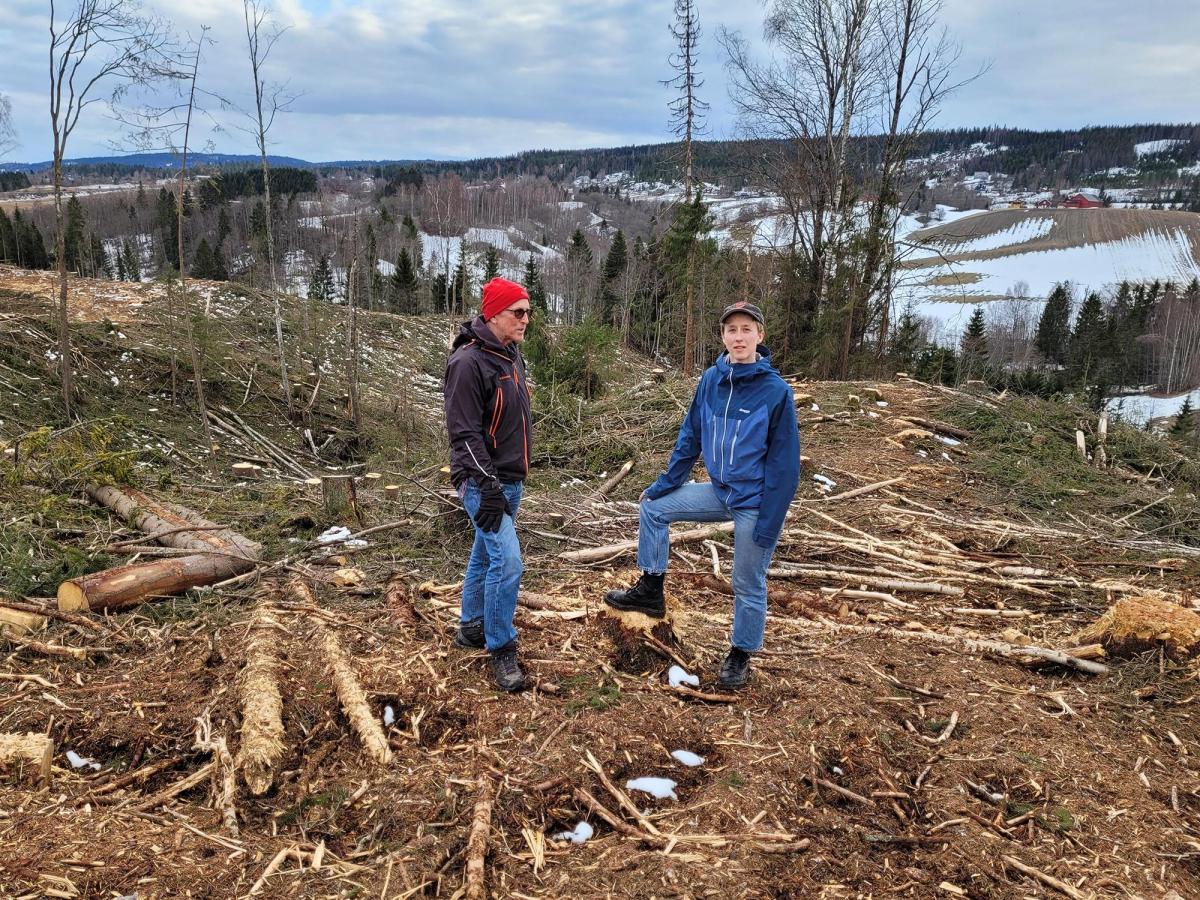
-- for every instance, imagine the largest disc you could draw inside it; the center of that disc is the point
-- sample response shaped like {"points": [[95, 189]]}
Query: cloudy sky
{"points": [[463, 78]]}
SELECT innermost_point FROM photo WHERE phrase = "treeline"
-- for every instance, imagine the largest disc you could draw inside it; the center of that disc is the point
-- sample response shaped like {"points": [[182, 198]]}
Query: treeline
{"points": [[233, 183], [21, 242], [1089, 345], [13, 181]]}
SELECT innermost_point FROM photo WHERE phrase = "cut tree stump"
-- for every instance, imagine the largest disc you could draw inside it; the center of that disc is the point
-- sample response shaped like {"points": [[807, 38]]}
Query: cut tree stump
{"points": [[640, 643], [1136, 624], [26, 754], [127, 586], [338, 494]]}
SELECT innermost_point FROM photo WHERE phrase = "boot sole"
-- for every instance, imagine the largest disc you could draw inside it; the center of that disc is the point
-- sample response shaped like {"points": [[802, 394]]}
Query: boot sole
{"points": [[629, 607]]}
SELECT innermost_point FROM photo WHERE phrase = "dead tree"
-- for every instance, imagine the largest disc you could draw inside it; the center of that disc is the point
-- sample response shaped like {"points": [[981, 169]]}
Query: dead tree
{"points": [[103, 42], [269, 100], [687, 117], [8, 134]]}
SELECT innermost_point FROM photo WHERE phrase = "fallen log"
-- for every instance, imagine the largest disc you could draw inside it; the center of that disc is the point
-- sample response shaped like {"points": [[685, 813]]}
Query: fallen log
{"points": [[218, 553], [127, 586], [27, 753], [480, 837], [262, 705], [19, 622], [346, 685], [605, 489], [169, 523], [610, 552]]}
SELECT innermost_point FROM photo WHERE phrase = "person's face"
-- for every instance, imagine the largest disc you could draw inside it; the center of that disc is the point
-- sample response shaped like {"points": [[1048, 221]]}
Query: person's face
{"points": [[741, 335], [509, 326]]}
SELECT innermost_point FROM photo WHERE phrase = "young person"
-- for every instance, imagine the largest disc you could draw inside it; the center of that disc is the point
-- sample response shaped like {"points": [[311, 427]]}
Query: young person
{"points": [[488, 423], [743, 421]]}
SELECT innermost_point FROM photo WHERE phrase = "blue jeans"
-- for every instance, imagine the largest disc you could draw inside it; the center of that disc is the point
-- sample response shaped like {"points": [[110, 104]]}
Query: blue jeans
{"points": [[493, 576], [694, 502]]}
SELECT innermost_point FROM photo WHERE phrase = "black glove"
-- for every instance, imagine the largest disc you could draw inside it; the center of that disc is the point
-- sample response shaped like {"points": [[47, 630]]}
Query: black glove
{"points": [[492, 507]]}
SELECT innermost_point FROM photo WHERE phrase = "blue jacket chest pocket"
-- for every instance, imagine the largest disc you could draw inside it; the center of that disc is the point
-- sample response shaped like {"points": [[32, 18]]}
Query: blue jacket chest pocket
{"points": [[735, 445]]}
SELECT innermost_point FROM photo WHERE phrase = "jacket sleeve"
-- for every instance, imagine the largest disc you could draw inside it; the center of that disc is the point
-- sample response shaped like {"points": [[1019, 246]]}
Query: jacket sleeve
{"points": [[687, 449], [782, 470], [465, 406]]}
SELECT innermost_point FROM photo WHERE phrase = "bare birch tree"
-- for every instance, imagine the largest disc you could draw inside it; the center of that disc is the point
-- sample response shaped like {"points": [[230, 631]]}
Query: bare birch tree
{"points": [[269, 100], [848, 89], [102, 43]]}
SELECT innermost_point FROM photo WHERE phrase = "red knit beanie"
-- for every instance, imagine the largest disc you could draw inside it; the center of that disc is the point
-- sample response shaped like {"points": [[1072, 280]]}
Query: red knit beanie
{"points": [[499, 294]]}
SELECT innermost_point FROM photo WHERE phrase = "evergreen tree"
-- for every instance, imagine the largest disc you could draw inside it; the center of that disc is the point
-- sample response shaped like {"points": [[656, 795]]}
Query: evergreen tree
{"points": [[437, 291], [614, 266], [219, 270], [1184, 427], [460, 287], [491, 264], [141, 195], [224, 228], [579, 270], [100, 265], [202, 260], [409, 228], [973, 352], [1089, 340], [1054, 328], [75, 248], [404, 283], [31, 249], [167, 223], [133, 266], [906, 339], [537, 290], [8, 239], [320, 282], [121, 274]]}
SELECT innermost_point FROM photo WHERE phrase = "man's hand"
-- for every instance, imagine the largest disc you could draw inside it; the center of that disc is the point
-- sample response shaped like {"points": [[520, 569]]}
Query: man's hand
{"points": [[492, 507], [645, 496]]}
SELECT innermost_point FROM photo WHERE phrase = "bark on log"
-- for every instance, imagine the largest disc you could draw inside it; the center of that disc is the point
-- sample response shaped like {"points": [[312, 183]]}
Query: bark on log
{"points": [[262, 705], [157, 517], [337, 493], [127, 586], [26, 753], [610, 552], [616, 479], [477, 843]]}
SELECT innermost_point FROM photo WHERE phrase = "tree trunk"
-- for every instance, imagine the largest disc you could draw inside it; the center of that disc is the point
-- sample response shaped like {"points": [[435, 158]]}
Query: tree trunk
{"points": [[156, 517], [64, 322], [130, 585], [29, 752]]}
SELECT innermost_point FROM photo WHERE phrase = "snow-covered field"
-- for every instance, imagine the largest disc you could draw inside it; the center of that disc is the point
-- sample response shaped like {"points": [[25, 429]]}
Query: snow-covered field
{"points": [[1141, 408], [1150, 148], [1019, 233]]}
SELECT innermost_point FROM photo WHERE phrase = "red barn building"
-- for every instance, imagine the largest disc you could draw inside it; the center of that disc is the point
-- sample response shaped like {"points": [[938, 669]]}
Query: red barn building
{"points": [[1082, 201]]}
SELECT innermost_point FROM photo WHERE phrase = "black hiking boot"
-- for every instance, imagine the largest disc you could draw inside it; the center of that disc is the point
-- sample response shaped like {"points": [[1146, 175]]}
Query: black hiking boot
{"points": [[735, 670], [470, 635], [506, 668], [645, 597]]}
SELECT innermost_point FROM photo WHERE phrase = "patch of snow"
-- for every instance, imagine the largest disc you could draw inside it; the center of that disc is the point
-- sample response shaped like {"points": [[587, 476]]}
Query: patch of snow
{"points": [[78, 762], [687, 758], [1141, 408], [826, 483], [583, 831], [333, 535], [653, 785], [677, 675], [1150, 148], [389, 716]]}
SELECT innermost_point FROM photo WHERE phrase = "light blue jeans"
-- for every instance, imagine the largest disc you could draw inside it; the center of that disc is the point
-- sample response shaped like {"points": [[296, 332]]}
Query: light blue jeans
{"points": [[493, 576], [694, 502]]}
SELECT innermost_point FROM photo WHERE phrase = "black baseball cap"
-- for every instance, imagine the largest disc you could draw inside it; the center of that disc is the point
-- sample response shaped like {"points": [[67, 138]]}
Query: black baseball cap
{"points": [[743, 307]]}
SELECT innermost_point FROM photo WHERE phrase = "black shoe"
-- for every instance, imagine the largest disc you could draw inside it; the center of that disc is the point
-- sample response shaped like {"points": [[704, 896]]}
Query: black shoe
{"points": [[645, 597], [735, 671], [506, 668], [470, 635]]}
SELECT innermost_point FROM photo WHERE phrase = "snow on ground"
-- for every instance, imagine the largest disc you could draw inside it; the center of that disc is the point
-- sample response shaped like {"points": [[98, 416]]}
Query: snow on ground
{"points": [[497, 237], [1141, 408], [435, 250], [1018, 233], [1149, 148], [571, 204], [1160, 253]]}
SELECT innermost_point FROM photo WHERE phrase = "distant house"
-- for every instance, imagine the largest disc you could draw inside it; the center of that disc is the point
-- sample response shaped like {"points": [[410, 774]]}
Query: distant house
{"points": [[1082, 201], [1046, 203]]}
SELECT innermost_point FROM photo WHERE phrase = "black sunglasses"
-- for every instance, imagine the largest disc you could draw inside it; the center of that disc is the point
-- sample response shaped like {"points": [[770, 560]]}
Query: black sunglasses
{"points": [[523, 313]]}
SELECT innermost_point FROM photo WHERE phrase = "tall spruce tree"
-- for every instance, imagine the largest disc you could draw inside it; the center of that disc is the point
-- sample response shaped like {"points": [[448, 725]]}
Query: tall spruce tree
{"points": [[404, 284], [491, 264], [906, 340], [320, 282], [610, 274], [1185, 425], [1054, 327], [74, 244], [535, 287], [133, 266], [973, 352], [579, 276], [1089, 343]]}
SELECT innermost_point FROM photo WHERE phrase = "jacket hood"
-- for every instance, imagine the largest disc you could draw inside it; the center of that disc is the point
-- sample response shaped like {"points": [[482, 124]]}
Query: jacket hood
{"points": [[739, 371], [477, 330]]}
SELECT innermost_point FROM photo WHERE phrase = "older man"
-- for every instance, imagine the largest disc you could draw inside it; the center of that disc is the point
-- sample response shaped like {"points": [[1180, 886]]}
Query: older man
{"points": [[487, 418]]}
